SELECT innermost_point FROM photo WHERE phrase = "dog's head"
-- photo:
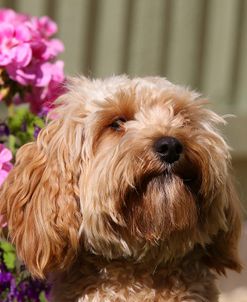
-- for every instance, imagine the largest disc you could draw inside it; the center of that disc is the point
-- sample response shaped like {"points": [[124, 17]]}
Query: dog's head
{"points": [[126, 168]]}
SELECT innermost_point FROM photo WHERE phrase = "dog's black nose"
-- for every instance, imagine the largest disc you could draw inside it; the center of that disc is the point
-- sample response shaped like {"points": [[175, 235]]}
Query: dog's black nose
{"points": [[168, 148]]}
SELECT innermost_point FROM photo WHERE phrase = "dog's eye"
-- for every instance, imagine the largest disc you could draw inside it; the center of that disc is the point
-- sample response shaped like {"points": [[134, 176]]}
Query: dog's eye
{"points": [[118, 123]]}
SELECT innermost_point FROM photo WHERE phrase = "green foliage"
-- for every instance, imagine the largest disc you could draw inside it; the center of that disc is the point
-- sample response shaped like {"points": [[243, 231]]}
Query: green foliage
{"points": [[22, 125], [42, 297], [9, 256]]}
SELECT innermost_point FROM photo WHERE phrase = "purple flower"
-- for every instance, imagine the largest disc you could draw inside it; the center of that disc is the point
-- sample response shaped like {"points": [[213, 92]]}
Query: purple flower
{"points": [[25, 289], [36, 131], [5, 277], [4, 129]]}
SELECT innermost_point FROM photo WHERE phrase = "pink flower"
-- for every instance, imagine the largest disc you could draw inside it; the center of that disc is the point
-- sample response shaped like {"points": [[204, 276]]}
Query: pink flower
{"points": [[5, 164], [5, 167], [8, 15], [28, 53], [45, 26], [14, 46], [42, 98]]}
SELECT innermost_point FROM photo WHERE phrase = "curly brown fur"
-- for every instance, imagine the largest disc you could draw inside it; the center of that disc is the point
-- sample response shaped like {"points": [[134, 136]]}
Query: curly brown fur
{"points": [[94, 207]]}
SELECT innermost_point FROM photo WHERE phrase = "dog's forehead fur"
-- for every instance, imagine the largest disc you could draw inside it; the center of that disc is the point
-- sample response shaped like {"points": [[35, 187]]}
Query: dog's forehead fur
{"points": [[94, 92]]}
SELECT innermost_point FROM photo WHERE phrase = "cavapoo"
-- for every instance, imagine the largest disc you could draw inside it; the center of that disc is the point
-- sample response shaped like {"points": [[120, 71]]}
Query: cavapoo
{"points": [[126, 195]]}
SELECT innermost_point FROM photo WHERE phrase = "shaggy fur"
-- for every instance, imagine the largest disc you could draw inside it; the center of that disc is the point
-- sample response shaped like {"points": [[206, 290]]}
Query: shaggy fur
{"points": [[91, 206]]}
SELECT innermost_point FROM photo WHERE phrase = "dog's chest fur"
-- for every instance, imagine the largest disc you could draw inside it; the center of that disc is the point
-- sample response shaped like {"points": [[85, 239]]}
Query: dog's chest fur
{"points": [[123, 282]]}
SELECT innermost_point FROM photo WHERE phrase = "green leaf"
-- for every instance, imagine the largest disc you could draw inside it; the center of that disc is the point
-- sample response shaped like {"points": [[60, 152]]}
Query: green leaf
{"points": [[30, 129], [12, 143], [15, 121], [9, 256], [7, 247], [39, 122], [9, 260], [42, 297]]}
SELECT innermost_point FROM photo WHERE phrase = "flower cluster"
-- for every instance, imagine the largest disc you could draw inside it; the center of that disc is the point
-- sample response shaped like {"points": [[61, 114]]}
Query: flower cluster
{"points": [[16, 284], [29, 71]]}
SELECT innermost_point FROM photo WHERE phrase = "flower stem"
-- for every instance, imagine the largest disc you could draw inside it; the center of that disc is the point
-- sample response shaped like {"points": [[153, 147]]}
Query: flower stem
{"points": [[11, 110]]}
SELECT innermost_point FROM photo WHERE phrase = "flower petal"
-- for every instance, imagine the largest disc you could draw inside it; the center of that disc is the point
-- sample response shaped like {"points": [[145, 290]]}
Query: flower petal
{"points": [[43, 75], [53, 48], [24, 76], [6, 31], [22, 33], [23, 54], [5, 155], [47, 26], [7, 166]]}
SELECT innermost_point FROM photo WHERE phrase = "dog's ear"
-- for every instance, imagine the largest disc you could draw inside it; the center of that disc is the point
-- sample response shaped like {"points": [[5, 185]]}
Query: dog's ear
{"points": [[223, 252], [40, 200]]}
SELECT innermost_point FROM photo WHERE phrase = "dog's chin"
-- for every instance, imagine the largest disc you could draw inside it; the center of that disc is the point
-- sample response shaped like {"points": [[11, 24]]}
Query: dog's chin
{"points": [[183, 175], [163, 203]]}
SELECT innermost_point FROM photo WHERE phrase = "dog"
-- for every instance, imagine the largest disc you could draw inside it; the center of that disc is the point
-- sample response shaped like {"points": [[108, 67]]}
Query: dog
{"points": [[126, 195]]}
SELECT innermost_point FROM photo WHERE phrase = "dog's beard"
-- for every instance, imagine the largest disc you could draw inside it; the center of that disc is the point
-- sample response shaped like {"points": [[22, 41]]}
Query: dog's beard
{"points": [[161, 205], [143, 206]]}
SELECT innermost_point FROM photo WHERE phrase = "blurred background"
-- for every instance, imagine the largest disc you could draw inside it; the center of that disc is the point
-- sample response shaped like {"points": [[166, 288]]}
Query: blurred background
{"points": [[198, 43]]}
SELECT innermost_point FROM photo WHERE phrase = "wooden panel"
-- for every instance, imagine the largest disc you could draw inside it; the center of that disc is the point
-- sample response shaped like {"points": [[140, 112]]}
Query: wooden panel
{"points": [[31, 7], [199, 43], [184, 42], [241, 87], [146, 37], [109, 40], [240, 174], [72, 25], [235, 132], [9, 3], [219, 49]]}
